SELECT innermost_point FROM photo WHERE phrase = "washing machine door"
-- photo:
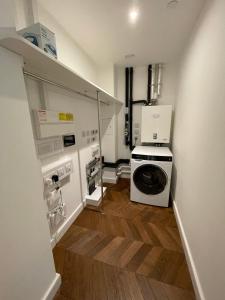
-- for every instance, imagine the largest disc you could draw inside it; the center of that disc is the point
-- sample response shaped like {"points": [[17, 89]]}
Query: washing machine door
{"points": [[150, 179]]}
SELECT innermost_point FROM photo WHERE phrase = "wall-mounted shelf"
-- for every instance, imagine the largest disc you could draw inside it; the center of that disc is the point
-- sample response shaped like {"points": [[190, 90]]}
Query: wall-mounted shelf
{"points": [[36, 61]]}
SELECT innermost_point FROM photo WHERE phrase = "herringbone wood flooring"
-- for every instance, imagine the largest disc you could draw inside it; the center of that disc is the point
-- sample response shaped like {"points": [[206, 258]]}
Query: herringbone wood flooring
{"points": [[132, 251]]}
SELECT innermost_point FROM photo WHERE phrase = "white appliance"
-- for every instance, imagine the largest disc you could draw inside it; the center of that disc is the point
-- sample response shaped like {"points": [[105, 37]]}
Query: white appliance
{"points": [[156, 124], [151, 169]]}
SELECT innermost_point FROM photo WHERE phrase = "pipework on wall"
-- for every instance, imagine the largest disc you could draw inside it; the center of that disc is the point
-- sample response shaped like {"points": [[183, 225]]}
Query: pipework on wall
{"points": [[154, 85]]}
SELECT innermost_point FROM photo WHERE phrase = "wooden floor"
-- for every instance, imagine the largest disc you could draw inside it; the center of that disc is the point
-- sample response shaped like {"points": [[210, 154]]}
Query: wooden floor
{"points": [[132, 251]]}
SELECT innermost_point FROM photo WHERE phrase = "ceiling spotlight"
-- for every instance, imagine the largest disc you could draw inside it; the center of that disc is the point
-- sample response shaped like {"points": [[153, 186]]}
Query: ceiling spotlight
{"points": [[133, 15], [172, 3]]}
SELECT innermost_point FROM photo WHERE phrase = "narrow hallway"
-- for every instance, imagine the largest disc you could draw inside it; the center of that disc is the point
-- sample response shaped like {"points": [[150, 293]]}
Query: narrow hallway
{"points": [[131, 251]]}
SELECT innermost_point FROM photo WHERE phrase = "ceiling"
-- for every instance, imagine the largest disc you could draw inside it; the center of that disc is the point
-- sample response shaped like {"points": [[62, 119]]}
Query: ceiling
{"points": [[102, 28]]}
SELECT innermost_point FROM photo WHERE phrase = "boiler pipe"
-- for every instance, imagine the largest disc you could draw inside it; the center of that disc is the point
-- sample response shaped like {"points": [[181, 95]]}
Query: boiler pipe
{"points": [[153, 82], [149, 84], [131, 110], [159, 79], [126, 129]]}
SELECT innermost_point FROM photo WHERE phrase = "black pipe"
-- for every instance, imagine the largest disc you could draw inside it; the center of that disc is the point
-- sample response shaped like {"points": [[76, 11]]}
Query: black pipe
{"points": [[127, 86], [116, 164], [131, 110], [126, 106], [140, 101], [149, 84], [129, 103]]}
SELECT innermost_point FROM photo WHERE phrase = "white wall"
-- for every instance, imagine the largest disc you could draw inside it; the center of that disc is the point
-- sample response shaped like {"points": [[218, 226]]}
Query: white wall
{"points": [[26, 259], [85, 113], [109, 132], [68, 50], [26, 13], [74, 57], [105, 78], [168, 96], [199, 149], [7, 13]]}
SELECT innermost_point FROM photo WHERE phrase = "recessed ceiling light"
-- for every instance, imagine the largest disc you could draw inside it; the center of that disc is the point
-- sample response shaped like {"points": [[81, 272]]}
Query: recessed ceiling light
{"points": [[133, 15], [172, 3]]}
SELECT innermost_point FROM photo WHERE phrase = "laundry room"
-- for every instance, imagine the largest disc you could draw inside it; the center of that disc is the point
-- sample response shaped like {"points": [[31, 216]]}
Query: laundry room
{"points": [[113, 145]]}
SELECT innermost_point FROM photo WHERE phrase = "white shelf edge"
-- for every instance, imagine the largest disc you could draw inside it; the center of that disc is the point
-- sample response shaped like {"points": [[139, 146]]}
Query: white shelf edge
{"points": [[40, 63]]}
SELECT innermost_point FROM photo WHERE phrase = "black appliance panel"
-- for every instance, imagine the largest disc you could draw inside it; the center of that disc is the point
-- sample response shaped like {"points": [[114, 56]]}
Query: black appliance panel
{"points": [[69, 140], [152, 157]]}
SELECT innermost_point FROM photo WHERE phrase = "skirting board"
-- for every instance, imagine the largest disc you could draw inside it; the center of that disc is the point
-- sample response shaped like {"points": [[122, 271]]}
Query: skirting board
{"points": [[53, 288], [191, 265], [65, 226]]}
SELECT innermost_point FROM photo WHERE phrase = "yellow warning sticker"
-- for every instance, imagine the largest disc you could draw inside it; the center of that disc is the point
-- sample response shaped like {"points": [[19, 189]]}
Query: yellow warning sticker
{"points": [[62, 116], [69, 117], [65, 116]]}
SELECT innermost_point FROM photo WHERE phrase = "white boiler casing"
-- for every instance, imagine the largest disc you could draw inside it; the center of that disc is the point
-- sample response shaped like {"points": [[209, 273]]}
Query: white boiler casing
{"points": [[156, 124]]}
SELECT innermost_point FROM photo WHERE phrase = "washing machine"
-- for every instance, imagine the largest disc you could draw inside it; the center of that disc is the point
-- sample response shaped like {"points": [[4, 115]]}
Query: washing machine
{"points": [[151, 169]]}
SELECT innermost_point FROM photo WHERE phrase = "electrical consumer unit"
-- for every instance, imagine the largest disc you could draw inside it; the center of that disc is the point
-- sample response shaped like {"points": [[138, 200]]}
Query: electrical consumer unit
{"points": [[40, 36], [52, 123], [156, 124]]}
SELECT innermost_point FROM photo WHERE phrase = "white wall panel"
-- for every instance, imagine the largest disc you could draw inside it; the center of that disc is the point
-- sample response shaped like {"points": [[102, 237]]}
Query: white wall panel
{"points": [[199, 148], [26, 256], [85, 120]]}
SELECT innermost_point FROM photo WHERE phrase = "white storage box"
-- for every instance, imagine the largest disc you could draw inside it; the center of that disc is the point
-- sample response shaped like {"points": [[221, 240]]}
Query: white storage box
{"points": [[40, 36]]}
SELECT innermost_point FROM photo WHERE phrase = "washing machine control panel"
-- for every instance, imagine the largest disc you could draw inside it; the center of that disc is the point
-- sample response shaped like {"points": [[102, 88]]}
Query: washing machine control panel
{"points": [[152, 157]]}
